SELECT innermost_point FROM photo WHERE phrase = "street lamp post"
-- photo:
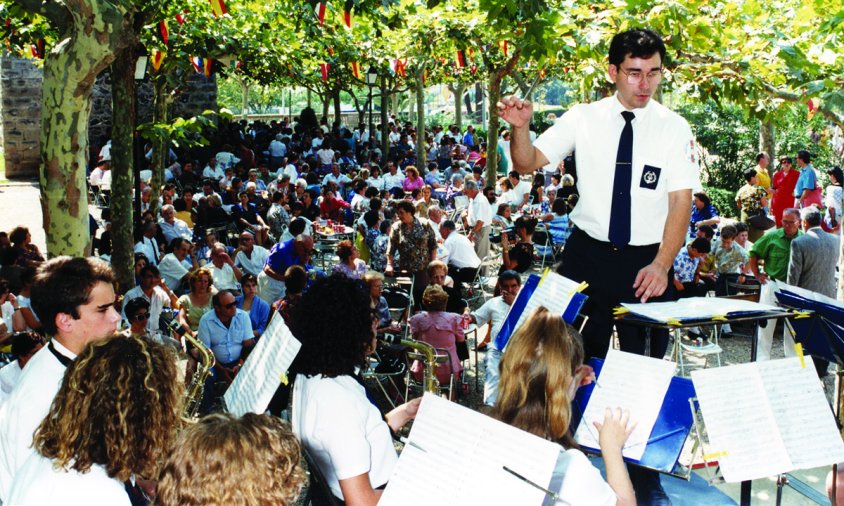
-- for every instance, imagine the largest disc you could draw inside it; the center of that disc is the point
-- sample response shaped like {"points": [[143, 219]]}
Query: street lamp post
{"points": [[371, 78]]}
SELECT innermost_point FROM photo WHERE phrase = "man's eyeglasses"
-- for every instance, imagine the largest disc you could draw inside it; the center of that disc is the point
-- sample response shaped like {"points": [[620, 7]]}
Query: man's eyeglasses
{"points": [[230, 305], [141, 317], [636, 76]]}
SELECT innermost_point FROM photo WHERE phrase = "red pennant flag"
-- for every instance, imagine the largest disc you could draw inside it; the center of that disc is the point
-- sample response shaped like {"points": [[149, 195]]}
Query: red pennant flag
{"points": [[503, 46], [33, 50], [324, 68], [196, 61], [165, 33], [401, 67], [206, 66], [157, 58], [320, 12], [330, 51], [180, 19], [814, 104], [218, 7], [471, 53], [460, 60], [41, 48], [542, 74], [474, 69], [356, 70]]}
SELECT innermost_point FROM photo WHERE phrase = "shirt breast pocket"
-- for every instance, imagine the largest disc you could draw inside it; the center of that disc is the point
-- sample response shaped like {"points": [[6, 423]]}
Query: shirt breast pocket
{"points": [[649, 183]]}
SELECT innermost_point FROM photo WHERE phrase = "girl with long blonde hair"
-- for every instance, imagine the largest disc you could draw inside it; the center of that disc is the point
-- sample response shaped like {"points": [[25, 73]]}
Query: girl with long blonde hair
{"points": [[540, 372]]}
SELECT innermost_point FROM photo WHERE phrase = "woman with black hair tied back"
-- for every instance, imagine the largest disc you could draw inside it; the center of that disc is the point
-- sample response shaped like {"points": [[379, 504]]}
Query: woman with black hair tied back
{"points": [[540, 372], [519, 255], [112, 420], [342, 430]]}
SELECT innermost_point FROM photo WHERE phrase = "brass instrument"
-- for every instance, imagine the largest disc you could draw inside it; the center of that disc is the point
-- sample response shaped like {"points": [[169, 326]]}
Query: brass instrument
{"points": [[429, 356], [194, 391]]}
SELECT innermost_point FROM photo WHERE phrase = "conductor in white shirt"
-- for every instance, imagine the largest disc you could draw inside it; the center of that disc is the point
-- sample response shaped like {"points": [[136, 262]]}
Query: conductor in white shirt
{"points": [[639, 165], [74, 297]]}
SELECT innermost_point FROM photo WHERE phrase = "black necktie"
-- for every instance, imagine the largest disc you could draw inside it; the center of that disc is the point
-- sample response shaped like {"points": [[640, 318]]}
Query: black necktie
{"points": [[619, 234]]}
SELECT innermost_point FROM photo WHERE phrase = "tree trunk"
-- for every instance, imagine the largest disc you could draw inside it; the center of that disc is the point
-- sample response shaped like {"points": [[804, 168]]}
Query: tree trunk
{"points": [[122, 167], [420, 124], [767, 140], [244, 98], [326, 103], [491, 173], [338, 111], [91, 35], [385, 132], [458, 90], [160, 146]]}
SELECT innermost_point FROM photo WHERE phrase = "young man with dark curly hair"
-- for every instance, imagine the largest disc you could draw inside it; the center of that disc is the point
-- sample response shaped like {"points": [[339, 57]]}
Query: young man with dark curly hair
{"points": [[345, 434], [74, 298]]}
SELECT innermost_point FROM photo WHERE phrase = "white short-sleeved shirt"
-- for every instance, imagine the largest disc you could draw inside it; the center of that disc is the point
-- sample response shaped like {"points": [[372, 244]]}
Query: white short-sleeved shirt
{"points": [[461, 252], [38, 483], [519, 192], [157, 302], [10, 374], [393, 181], [493, 311], [224, 278], [24, 410], [149, 247], [479, 210], [664, 160], [173, 270], [255, 264], [583, 483], [344, 433]]}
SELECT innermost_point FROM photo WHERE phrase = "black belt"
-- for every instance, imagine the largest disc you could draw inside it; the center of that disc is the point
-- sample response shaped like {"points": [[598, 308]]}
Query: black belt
{"points": [[608, 245], [65, 361]]}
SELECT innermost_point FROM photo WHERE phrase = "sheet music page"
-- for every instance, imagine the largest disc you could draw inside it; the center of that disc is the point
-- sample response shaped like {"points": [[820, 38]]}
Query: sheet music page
{"points": [[457, 456], [693, 308], [802, 413], [740, 422], [554, 292], [631, 382], [258, 379]]}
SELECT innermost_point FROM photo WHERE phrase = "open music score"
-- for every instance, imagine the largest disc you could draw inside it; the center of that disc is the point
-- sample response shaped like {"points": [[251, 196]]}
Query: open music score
{"points": [[767, 418], [266, 367], [460, 456], [632, 382]]}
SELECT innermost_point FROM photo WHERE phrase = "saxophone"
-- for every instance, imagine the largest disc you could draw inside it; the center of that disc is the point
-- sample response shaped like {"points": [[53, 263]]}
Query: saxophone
{"points": [[194, 391], [432, 385]]}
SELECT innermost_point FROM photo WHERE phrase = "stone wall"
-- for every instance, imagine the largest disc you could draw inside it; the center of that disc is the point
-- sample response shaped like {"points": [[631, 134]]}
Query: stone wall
{"points": [[20, 111], [20, 116]]}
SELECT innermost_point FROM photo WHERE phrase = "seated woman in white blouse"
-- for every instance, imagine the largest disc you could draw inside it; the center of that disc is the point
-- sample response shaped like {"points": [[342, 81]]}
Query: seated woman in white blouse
{"points": [[345, 433], [540, 372], [113, 420]]}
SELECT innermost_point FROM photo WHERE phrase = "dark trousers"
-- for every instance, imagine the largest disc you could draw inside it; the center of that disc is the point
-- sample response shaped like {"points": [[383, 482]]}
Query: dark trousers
{"points": [[462, 274], [610, 274]]}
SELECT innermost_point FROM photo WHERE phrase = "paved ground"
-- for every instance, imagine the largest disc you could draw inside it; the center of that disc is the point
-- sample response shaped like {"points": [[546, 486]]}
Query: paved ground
{"points": [[20, 205]]}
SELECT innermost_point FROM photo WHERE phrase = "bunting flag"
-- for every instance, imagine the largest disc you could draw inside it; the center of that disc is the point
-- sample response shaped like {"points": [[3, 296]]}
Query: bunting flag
{"points": [[348, 7], [180, 19], [320, 12], [814, 104], [542, 73], [460, 60], [40, 47], [400, 67], [323, 69], [503, 45], [218, 7], [471, 54], [356, 70], [165, 33], [330, 51], [206, 66], [157, 58], [474, 69], [196, 61]]}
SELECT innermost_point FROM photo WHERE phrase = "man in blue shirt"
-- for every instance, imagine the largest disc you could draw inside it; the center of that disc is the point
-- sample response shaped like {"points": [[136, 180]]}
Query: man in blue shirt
{"points": [[807, 182], [225, 331]]}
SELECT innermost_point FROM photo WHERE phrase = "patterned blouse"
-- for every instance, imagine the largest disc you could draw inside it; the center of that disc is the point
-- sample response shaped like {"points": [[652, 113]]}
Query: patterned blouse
{"points": [[378, 244], [414, 244], [750, 198], [685, 266], [729, 261]]}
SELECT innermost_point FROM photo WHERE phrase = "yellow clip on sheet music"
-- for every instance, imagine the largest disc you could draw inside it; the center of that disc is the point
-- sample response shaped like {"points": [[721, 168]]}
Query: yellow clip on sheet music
{"points": [[799, 349], [283, 379], [714, 455]]}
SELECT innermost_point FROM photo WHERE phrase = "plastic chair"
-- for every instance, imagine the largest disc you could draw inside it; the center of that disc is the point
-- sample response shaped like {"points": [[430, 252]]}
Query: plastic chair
{"points": [[477, 288], [544, 243]]}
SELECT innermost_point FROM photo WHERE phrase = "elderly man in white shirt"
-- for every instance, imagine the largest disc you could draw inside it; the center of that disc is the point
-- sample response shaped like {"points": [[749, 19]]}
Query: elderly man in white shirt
{"points": [[250, 257], [478, 218], [147, 244], [463, 262], [393, 177], [225, 273], [176, 265], [156, 292], [74, 297], [213, 170], [173, 227], [521, 189]]}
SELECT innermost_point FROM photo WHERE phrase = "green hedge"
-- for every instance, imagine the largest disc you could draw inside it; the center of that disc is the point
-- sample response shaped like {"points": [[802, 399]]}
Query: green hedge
{"points": [[723, 200]]}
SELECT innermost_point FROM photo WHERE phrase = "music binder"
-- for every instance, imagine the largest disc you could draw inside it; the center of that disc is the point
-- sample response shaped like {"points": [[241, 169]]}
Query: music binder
{"points": [[557, 293], [669, 433], [822, 336]]}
